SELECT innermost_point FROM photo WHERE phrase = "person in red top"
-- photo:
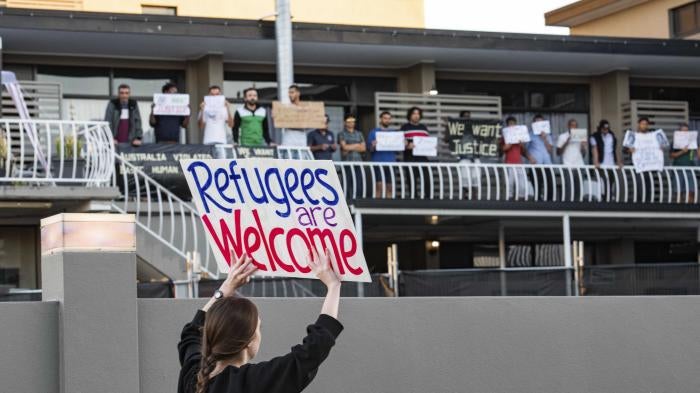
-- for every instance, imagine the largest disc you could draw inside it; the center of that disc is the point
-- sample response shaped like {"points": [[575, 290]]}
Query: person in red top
{"points": [[518, 184]]}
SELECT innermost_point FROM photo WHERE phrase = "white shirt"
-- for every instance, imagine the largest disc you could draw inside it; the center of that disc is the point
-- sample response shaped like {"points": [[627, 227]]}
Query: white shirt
{"points": [[214, 125], [608, 156], [293, 137], [572, 152]]}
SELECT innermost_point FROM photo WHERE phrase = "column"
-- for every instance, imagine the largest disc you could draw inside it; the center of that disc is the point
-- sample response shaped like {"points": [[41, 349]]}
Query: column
{"points": [[206, 71], [419, 78]]}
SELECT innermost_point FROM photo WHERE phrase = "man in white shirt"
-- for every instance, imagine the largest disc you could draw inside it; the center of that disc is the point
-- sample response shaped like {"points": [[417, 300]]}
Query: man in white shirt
{"points": [[571, 153], [214, 120], [293, 136]]}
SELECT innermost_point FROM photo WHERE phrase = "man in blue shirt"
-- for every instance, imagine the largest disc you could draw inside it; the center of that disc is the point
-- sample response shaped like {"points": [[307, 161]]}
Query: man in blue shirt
{"points": [[322, 143], [382, 156], [540, 149]]}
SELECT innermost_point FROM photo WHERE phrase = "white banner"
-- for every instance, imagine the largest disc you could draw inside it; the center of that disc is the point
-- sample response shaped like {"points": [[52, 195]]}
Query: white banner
{"points": [[390, 141], [647, 155], [171, 104], [515, 134], [685, 140], [425, 146], [541, 127], [578, 134], [276, 211]]}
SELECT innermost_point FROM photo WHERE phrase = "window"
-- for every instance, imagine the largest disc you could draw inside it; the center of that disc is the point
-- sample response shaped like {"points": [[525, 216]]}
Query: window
{"points": [[144, 83], [18, 259], [79, 81], [685, 20], [158, 10]]}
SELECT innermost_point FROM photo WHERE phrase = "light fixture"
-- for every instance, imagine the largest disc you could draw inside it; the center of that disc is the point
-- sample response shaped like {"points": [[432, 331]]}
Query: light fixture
{"points": [[434, 220], [433, 91], [435, 244]]}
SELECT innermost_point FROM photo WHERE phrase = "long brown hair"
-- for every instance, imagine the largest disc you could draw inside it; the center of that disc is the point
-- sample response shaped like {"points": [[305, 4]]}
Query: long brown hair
{"points": [[229, 327]]}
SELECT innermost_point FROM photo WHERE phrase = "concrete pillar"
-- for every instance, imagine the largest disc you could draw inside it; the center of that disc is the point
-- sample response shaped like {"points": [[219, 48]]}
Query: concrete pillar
{"points": [[89, 267], [419, 78], [608, 93], [206, 71]]}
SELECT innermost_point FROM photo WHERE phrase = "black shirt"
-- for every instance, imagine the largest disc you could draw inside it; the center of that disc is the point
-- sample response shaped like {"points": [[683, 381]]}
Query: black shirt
{"points": [[316, 138], [410, 131], [284, 374], [167, 128]]}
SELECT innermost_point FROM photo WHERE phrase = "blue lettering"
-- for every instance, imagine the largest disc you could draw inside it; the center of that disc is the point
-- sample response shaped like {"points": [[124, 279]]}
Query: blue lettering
{"points": [[325, 184], [235, 177], [281, 200], [202, 188], [221, 187], [257, 199], [306, 186], [290, 172]]}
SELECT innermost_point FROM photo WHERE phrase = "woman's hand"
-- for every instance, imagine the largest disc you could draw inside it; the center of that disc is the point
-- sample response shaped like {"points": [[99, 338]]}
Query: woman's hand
{"points": [[239, 274], [323, 269]]}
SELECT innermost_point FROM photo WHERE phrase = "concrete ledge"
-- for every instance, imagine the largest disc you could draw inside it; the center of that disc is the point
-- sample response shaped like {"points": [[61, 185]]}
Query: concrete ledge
{"points": [[53, 193]]}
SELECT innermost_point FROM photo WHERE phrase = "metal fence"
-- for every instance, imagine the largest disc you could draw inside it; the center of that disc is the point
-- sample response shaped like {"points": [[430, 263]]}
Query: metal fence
{"points": [[56, 152], [510, 182]]}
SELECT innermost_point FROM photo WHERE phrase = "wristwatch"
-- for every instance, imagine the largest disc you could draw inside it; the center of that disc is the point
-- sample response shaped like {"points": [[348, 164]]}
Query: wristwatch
{"points": [[218, 294]]}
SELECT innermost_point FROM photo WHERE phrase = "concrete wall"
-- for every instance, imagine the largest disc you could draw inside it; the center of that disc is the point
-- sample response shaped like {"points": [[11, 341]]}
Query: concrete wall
{"points": [[633, 344], [29, 347]]}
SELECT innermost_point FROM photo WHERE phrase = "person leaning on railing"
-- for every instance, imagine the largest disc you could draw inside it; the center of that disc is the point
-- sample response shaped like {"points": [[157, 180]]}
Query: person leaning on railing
{"points": [[513, 153], [388, 157], [571, 154], [124, 117], [645, 180], [352, 148], [687, 183], [604, 156]]}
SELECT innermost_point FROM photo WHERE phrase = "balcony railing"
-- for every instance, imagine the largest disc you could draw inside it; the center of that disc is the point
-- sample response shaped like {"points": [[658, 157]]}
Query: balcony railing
{"points": [[56, 152], [508, 182]]}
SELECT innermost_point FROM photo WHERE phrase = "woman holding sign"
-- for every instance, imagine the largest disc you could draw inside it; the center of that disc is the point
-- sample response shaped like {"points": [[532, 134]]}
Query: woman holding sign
{"points": [[684, 153], [216, 347]]}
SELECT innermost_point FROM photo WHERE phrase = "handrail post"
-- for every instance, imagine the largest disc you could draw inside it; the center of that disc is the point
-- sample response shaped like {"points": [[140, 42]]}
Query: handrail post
{"points": [[568, 263]]}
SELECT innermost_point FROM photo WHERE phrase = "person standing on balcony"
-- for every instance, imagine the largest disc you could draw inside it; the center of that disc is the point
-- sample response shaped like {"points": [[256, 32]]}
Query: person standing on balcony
{"points": [[124, 118], [645, 180], [292, 136], [250, 126], [167, 127], [214, 122], [540, 149], [603, 153], [413, 128], [387, 157], [513, 154], [352, 148], [571, 154], [321, 142], [687, 183], [217, 347]]}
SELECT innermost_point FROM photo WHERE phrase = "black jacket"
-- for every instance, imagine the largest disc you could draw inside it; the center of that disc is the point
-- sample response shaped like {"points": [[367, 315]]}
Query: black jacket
{"points": [[284, 374], [113, 113], [600, 146]]}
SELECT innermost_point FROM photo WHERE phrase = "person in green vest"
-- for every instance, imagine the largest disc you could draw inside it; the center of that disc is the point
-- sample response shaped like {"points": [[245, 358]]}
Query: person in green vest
{"points": [[250, 122], [687, 183]]}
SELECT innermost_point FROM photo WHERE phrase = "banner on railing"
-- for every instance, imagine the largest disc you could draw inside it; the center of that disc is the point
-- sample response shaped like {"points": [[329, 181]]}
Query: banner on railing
{"points": [[276, 211], [161, 163], [472, 138], [256, 151]]}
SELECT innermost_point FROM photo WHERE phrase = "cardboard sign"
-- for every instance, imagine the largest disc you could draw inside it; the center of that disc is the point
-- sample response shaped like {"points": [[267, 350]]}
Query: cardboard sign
{"points": [[425, 146], [516, 134], [390, 141], [470, 138], [685, 140], [276, 211], [171, 104], [306, 114], [647, 155], [578, 134], [541, 127]]}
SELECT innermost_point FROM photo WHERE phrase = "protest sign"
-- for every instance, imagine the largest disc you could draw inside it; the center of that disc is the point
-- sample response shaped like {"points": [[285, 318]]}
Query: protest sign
{"points": [[515, 134], [685, 140], [425, 146], [474, 138], [390, 141], [159, 161], [255, 151], [214, 102], [647, 155], [171, 104], [276, 211], [541, 127], [306, 114], [578, 134]]}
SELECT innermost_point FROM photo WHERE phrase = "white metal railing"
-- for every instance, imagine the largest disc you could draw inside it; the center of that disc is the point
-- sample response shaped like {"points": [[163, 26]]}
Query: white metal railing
{"points": [[507, 182], [159, 212], [56, 152]]}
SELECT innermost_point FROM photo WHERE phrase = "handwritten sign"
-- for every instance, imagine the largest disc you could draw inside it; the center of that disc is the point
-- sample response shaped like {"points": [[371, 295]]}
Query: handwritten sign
{"points": [[541, 127], [578, 134], [171, 104], [516, 134], [276, 211], [306, 114], [214, 103], [685, 140], [474, 138], [425, 146], [647, 155], [390, 141]]}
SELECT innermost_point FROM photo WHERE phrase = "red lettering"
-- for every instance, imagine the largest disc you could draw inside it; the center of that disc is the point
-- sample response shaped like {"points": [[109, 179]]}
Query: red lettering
{"points": [[325, 238], [290, 235], [284, 266], [226, 236], [348, 253]]}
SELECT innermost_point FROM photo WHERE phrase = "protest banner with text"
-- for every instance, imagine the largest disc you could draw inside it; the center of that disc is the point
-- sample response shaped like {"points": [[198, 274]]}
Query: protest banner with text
{"points": [[171, 104], [648, 155], [306, 114], [276, 211], [472, 139], [390, 141], [685, 140], [515, 134]]}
